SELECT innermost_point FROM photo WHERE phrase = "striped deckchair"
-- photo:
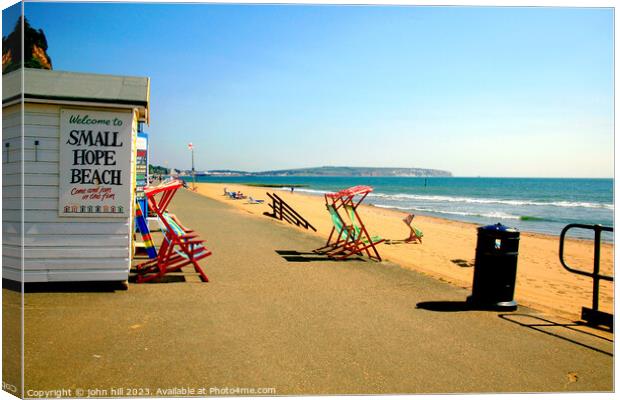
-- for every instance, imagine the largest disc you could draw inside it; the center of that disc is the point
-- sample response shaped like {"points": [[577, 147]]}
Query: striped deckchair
{"points": [[358, 230], [180, 246], [349, 239], [415, 235], [252, 200], [197, 249], [339, 234]]}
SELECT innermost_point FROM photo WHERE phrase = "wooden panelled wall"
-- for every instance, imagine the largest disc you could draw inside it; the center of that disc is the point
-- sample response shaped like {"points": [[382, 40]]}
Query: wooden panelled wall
{"points": [[55, 248]]}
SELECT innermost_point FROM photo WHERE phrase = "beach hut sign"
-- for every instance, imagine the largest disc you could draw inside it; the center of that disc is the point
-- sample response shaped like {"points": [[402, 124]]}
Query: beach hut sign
{"points": [[95, 168]]}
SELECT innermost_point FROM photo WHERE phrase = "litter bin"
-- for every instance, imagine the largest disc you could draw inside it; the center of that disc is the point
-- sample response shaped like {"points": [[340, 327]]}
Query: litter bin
{"points": [[495, 269]]}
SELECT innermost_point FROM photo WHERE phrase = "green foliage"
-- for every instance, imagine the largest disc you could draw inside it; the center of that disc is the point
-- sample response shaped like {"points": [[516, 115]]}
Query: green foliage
{"points": [[158, 170], [35, 48]]}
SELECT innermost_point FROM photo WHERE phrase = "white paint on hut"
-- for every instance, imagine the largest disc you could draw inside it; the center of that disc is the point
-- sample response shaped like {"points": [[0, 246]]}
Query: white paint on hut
{"points": [[40, 242]]}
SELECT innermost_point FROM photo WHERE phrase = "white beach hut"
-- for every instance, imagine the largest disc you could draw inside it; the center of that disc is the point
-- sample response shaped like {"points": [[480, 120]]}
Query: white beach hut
{"points": [[68, 174]]}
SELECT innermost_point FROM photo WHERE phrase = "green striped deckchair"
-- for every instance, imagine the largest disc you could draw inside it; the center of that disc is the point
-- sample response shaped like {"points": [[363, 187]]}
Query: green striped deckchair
{"points": [[358, 231], [340, 233]]}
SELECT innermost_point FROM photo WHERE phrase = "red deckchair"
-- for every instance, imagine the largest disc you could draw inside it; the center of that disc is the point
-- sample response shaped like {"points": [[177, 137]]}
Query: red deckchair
{"points": [[180, 246], [346, 240]]}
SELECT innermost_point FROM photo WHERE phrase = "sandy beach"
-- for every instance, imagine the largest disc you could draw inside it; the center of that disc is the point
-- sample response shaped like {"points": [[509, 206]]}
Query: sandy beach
{"points": [[448, 250], [300, 324]]}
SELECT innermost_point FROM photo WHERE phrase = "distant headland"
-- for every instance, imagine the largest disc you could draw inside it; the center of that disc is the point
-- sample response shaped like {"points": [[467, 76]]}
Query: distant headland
{"points": [[327, 171]]}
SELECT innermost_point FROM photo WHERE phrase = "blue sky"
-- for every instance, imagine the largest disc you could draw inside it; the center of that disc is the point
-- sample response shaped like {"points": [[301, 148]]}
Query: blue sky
{"points": [[477, 91]]}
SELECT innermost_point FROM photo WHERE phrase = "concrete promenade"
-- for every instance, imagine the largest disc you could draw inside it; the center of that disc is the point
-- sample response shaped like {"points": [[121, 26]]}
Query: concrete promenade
{"points": [[274, 316]]}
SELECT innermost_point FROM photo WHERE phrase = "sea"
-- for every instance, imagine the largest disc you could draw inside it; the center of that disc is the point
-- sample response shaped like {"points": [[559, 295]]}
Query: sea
{"points": [[540, 205]]}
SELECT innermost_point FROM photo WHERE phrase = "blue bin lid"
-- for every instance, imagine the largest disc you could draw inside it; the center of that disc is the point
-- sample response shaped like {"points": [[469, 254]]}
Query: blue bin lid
{"points": [[497, 228]]}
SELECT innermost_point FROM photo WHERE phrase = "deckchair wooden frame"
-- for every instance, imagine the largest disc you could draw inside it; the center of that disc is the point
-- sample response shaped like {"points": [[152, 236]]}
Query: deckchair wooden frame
{"points": [[176, 250], [415, 235], [356, 241], [340, 234]]}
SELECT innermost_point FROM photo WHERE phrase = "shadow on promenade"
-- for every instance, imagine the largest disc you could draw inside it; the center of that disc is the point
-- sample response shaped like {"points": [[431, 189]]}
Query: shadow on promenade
{"points": [[573, 332], [297, 256], [445, 306], [64, 287]]}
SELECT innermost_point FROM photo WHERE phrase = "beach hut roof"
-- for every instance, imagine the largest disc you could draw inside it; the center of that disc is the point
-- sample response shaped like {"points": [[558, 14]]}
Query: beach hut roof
{"points": [[61, 86]]}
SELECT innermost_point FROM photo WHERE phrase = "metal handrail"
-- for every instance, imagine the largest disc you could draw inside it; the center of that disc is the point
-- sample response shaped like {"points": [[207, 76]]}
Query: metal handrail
{"points": [[597, 250], [594, 313]]}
